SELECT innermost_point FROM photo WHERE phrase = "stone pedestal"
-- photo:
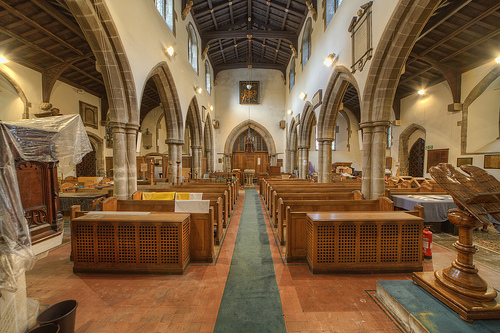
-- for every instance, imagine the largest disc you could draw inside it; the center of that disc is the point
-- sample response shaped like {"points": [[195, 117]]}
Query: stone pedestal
{"points": [[249, 173]]}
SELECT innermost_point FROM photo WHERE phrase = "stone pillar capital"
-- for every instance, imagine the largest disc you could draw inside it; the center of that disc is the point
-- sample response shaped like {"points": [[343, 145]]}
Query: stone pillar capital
{"points": [[366, 125], [132, 127], [174, 142]]}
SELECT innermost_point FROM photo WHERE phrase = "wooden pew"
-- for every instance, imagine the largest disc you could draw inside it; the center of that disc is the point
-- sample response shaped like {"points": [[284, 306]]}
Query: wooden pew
{"points": [[296, 242], [215, 202], [201, 234], [278, 210]]}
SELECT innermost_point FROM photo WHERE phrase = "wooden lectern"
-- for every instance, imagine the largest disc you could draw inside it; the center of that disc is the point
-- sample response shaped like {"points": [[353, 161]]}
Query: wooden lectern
{"points": [[459, 286]]}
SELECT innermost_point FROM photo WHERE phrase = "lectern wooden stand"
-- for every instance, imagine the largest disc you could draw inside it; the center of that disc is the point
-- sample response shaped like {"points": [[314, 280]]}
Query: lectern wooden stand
{"points": [[459, 286]]}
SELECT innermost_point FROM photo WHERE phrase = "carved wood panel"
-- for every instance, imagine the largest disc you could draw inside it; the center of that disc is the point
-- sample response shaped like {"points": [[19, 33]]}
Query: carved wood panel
{"points": [[436, 156], [87, 168]]}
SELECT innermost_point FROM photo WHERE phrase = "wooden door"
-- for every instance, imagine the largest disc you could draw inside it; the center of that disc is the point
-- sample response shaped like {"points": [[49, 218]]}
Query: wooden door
{"points": [[87, 168], [416, 159]]}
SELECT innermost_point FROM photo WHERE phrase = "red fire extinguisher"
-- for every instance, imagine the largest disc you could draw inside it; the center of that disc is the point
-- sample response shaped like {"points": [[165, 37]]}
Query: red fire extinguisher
{"points": [[427, 243]]}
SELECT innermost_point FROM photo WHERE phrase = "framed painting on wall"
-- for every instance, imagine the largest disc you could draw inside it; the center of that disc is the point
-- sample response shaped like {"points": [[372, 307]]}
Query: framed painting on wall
{"points": [[249, 92], [436, 156], [492, 161], [464, 161], [89, 115]]}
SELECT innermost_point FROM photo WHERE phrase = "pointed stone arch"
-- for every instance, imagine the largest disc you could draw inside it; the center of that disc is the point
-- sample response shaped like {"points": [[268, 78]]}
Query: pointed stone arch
{"points": [[100, 31], [208, 143], [400, 34], [340, 80], [307, 122], [237, 131], [20, 92], [193, 122], [292, 144], [171, 109], [98, 144], [403, 152]]}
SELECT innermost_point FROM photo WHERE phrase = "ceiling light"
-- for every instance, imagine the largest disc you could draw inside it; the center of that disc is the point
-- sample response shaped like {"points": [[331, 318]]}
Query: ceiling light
{"points": [[303, 96], [211, 107], [198, 89], [290, 112], [3, 60], [497, 60], [421, 92], [329, 60]]}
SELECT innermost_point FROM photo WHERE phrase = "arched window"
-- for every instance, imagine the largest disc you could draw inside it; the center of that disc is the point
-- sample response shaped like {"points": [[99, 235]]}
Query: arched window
{"points": [[193, 48], [208, 78], [166, 9], [306, 43], [291, 79], [331, 7], [258, 143]]}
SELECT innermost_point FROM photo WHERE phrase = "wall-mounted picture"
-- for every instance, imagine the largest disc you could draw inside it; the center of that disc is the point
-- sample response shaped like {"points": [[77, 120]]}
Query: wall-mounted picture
{"points": [[89, 115], [492, 161], [464, 161], [249, 92]]}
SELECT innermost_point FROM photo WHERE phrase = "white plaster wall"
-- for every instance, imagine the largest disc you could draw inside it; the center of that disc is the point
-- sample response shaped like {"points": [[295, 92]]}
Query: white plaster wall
{"points": [[341, 154], [230, 113], [11, 105], [334, 39]]}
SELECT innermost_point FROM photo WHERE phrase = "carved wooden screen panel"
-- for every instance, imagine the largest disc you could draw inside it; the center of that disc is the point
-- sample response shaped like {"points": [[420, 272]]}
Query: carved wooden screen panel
{"points": [[436, 156], [87, 168], [416, 159]]}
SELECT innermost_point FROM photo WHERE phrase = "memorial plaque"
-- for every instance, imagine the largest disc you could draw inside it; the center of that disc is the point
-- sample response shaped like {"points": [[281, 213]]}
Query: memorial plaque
{"points": [[361, 34]]}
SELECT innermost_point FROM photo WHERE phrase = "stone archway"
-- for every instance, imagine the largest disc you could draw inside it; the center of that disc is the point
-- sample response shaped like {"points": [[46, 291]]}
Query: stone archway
{"points": [[193, 122], [237, 131], [170, 104], [404, 146], [292, 143], [20, 92], [339, 82], [98, 144], [386, 66], [308, 121], [208, 143], [98, 27]]}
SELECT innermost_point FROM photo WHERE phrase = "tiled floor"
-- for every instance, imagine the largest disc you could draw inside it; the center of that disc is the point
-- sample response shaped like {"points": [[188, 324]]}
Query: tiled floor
{"points": [[190, 302]]}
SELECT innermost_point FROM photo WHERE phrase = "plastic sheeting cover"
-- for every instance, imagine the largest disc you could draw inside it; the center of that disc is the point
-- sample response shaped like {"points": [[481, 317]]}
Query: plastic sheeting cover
{"points": [[62, 139]]}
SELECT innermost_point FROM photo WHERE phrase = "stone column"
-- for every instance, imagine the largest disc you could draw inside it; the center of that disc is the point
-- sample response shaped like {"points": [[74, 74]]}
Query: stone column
{"points": [[379, 145], [320, 161], [131, 131], [288, 167], [210, 161], [172, 159], [120, 170], [327, 160], [179, 158], [196, 161], [292, 160], [303, 159], [366, 168]]}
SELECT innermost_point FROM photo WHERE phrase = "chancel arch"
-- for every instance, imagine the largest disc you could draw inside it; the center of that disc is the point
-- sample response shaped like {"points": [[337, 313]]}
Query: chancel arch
{"points": [[250, 160], [341, 81]]}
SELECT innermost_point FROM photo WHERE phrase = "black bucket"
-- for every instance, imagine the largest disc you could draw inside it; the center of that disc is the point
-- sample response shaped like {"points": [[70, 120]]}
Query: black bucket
{"points": [[62, 314], [50, 328]]}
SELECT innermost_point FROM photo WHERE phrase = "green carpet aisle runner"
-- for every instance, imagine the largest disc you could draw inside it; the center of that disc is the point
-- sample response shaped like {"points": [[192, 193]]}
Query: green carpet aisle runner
{"points": [[251, 300]]}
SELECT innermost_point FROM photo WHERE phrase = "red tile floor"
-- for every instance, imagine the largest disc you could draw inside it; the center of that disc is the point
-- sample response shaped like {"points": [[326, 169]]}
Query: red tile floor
{"points": [[190, 302]]}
